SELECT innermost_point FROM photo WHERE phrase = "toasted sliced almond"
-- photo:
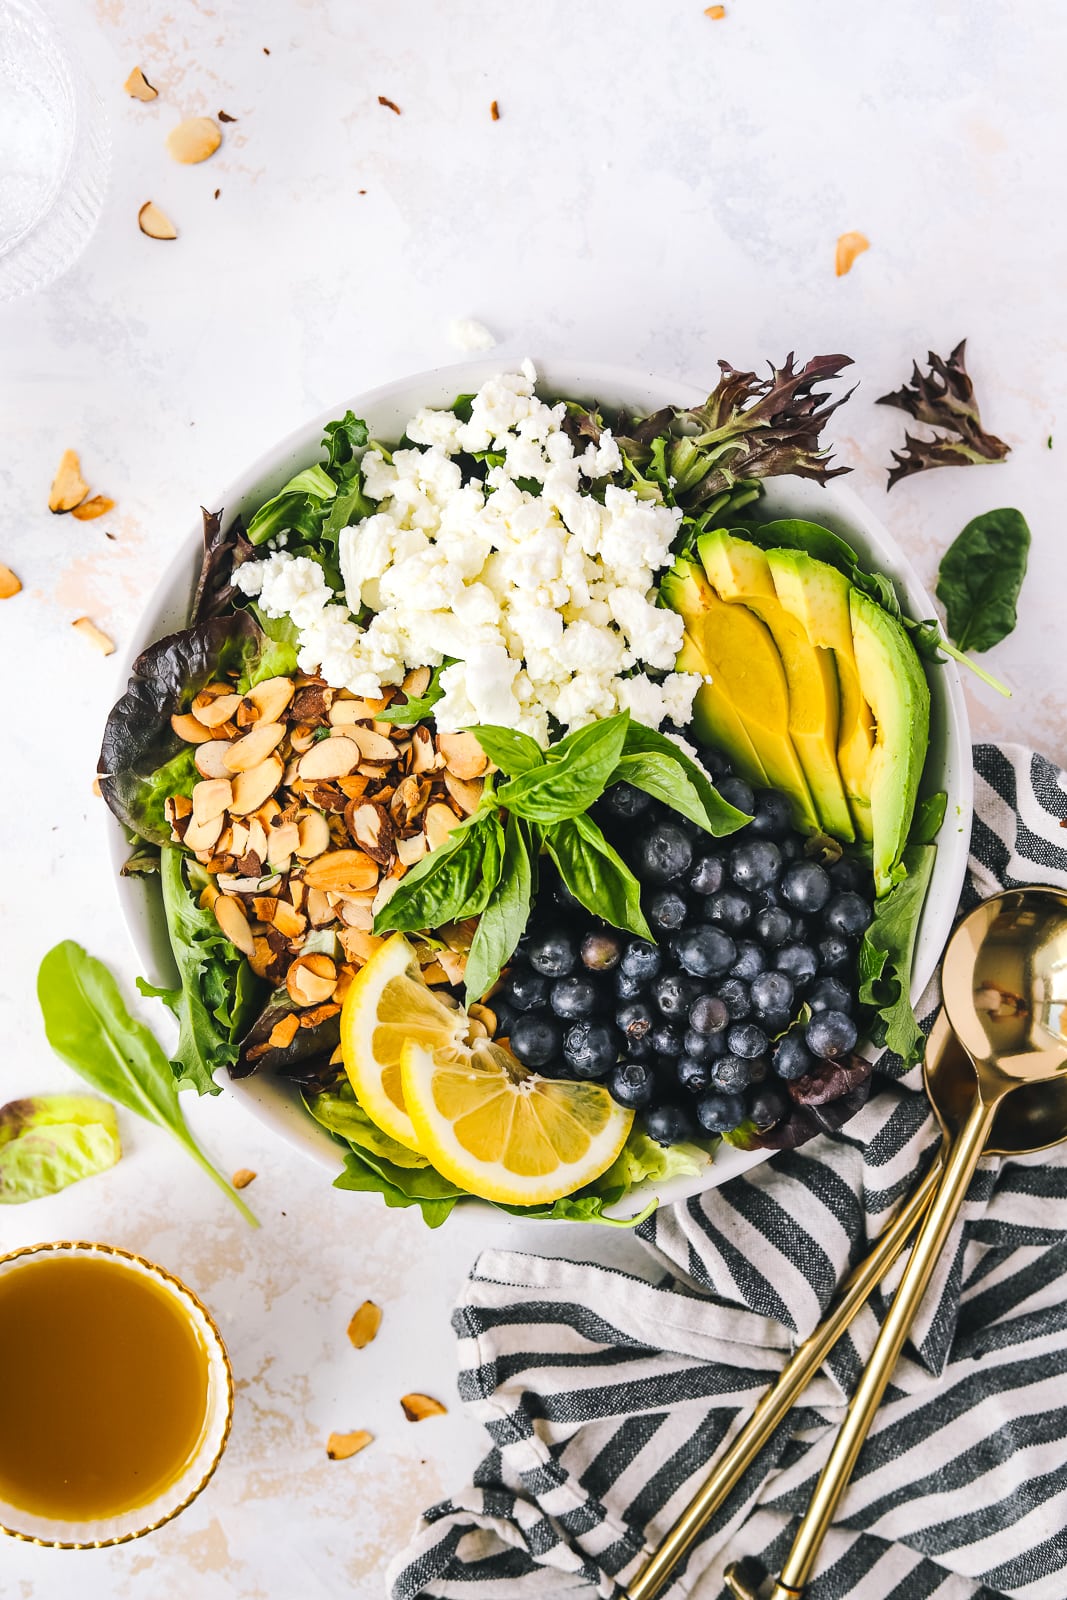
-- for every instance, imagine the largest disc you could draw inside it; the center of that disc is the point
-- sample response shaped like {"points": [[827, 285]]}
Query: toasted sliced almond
{"points": [[344, 712], [453, 963], [849, 246], [417, 1407], [311, 979], [176, 806], [194, 140], [365, 1324], [284, 1032], [252, 788], [69, 488], [211, 798], [319, 909], [313, 836], [289, 922], [89, 510], [187, 727], [340, 1446], [373, 747], [9, 584], [89, 630], [255, 747], [464, 756], [154, 223], [262, 883], [201, 836], [211, 756], [352, 786], [466, 794], [230, 916], [213, 709], [243, 1177], [416, 683], [484, 1015], [356, 913], [441, 820], [423, 755], [139, 87], [271, 697], [408, 851], [371, 827], [341, 870], [359, 945], [330, 758], [386, 890]]}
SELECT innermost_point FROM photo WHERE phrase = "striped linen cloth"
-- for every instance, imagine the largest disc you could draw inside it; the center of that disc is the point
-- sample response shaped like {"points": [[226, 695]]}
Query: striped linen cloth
{"points": [[606, 1396]]}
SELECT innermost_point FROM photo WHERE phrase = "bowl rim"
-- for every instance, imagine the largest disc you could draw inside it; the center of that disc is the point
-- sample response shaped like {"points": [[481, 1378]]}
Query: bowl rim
{"points": [[568, 377]]}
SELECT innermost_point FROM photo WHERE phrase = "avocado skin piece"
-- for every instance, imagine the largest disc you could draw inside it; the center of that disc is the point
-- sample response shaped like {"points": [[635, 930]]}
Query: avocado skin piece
{"points": [[747, 702], [741, 573], [817, 594], [894, 684]]}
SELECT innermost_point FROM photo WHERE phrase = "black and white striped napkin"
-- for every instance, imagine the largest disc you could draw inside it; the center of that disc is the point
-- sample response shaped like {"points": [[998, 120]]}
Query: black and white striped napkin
{"points": [[606, 1396]]}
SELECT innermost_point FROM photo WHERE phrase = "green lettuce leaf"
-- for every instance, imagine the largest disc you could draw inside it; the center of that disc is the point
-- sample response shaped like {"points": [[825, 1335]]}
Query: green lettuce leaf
{"points": [[885, 957], [53, 1140], [338, 1110], [401, 1186]]}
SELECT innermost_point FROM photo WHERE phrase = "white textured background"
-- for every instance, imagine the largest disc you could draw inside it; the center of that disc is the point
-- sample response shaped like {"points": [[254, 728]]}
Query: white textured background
{"points": [[660, 190]]}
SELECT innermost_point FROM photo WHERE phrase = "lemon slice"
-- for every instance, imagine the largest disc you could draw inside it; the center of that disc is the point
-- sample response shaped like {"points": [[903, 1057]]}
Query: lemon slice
{"points": [[387, 1004], [503, 1132]]}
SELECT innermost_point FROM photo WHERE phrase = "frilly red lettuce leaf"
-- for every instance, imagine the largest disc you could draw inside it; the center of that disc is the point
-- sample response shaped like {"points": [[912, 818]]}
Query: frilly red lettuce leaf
{"points": [[943, 397], [224, 552]]}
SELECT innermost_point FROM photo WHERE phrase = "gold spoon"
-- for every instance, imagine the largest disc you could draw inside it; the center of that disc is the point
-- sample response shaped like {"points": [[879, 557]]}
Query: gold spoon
{"points": [[1004, 981]]}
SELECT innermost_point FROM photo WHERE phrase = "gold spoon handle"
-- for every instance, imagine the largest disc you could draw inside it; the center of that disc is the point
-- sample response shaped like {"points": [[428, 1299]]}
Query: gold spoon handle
{"points": [[959, 1168], [782, 1394]]}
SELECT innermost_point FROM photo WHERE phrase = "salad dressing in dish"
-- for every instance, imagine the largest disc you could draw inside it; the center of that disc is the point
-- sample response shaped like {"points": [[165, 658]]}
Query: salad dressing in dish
{"points": [[103, 1388]]}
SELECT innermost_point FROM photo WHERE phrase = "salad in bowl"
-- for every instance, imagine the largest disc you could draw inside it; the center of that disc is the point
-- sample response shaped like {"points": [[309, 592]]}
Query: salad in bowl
{"points": [[542, 795]]}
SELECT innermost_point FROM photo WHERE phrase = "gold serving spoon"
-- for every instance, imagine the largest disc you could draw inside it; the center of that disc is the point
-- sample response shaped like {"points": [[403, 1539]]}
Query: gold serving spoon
{"points": [[1004, 982]]}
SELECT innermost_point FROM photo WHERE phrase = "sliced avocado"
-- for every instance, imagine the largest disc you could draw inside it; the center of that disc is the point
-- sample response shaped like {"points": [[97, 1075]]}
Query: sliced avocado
{"points": [[817, 595], [894, 685], [741, 574]]}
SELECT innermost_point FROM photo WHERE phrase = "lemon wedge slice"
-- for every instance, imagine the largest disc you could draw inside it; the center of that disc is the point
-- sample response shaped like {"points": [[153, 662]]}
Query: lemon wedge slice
{"points": [[501, 1131], [387, 1005]]}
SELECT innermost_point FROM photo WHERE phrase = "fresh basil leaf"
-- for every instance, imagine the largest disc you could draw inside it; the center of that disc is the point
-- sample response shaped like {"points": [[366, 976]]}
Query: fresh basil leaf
{"points": [[573, 776], [886, 952], [980, 577], [596, 875], [929, 815], [678, 783], [489, 833], [513, 752], [419, 709], [506, 914], [442, 883], [53, 1140], [88, 1026]]}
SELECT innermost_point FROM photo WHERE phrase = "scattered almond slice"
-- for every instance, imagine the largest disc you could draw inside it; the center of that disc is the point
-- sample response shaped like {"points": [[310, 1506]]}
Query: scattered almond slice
{"points": [[390, 105], [340, 1446], [89, 630], [69, 488], [139, 87], [417, 1407], [9, 584], [89, 510], [849, 246], [230, 916], [194, 140], [311, 979], [284, 1032], [365, 1324], [716, 13], [154, 223], [243, 1177], [494, 111]]}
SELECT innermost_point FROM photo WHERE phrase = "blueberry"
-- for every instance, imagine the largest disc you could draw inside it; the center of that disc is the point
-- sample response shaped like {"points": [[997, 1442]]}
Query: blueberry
{"points": [[768, 1105], [733, 1074], [730, 908], [720, 1113], [829, 994], [574, 997], [633, 1083], [635, 1020], [792, 1059], [755, 865], [674, 994], [601, 951], [525, 989], [772, 994], [591, 1049], [536, 1038], [693, 1075], [704, 1046], [708, 1014], [799, 962], [641, 960], [554, 952], [715, 764], [790, 847], [806, 886], [622, 800], [747, 1040], [751, 961], [705, 952], [849, 873], [831, 1034], [708, 875], [738, 793], [835, 953], [666, 910], [737, 998], [505, 1013], [847, 913], [773, 927], [773, 815], [663, 853], [666, 1041], [669, 1124], [627, 987]]}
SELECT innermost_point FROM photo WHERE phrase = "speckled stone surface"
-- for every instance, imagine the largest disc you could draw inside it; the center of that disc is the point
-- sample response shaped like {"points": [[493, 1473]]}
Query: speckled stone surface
{"points": [[660, 190]]}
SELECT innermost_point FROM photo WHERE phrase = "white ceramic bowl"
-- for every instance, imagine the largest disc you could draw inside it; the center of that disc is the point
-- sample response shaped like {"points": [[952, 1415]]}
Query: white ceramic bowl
{"points": [[386, 411]]}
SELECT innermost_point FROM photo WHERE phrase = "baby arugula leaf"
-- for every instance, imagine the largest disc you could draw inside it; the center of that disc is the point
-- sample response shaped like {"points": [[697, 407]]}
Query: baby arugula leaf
{"points": [[596, 875], [573, 775], [943, 398], [506, 914], [981, 574], [88, 1025]]}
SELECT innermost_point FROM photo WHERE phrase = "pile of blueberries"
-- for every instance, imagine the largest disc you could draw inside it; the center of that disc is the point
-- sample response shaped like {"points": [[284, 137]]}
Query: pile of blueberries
{"points": [[750, 985]]}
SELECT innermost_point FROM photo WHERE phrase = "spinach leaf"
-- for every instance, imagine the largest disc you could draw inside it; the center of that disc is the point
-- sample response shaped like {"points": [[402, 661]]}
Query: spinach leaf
{"points": [[980, 577], [54, 1140], [573, 775], [438, 888], [400, 1186], [654, 763], [513, 752], [596, 875], [88, 1026], [885, 957], [504, 918]]}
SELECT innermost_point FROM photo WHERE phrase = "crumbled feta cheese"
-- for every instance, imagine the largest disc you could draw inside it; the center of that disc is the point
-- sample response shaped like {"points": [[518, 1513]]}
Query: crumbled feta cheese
{"points": [[468, 334]]}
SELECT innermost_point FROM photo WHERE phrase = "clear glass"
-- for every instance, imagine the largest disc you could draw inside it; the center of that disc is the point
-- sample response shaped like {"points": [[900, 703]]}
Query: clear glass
{"points": [[55, 151]]}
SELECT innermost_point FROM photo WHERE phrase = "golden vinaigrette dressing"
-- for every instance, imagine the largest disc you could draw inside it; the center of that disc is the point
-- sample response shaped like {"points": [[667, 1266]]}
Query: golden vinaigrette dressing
{"points": [[103, 1388]]}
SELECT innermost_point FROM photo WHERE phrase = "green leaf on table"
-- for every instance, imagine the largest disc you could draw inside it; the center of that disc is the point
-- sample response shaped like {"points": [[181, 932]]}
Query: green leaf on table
{"points": [[653, 762], [886, 952], [503, 921], [89, 1027], [596, 875], [453, 881], [52, 1140], [513, 752], [573, 775], [980, 577]]}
